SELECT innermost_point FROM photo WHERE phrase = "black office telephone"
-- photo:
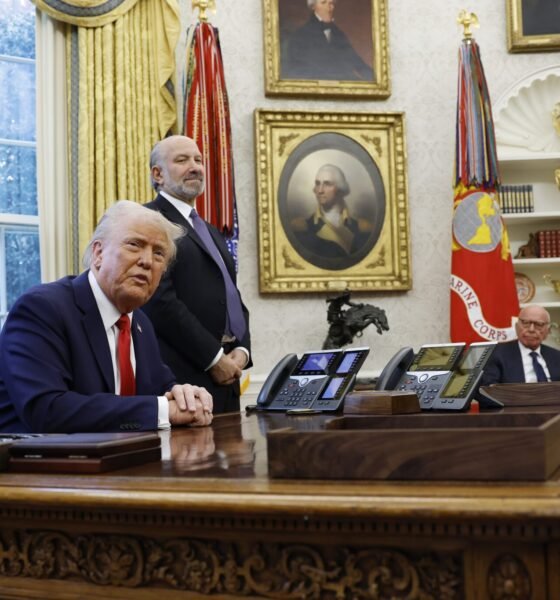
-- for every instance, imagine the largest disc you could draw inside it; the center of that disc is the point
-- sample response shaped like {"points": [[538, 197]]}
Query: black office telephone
{"points": [[444, 376], [317, 381]]}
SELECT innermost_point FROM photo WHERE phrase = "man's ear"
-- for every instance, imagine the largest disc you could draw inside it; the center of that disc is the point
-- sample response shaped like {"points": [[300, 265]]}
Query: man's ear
{"points": [[97, 249], [156, 174]]}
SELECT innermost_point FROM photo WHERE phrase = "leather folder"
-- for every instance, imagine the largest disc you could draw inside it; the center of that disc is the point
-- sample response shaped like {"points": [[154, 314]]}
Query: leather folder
{"points": [[83, 452]]}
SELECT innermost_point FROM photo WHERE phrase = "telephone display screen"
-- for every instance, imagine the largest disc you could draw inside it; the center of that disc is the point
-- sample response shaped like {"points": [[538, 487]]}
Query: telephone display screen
{"points": [[331, 390], [456, 386], [471, 360], [316, 362], [347, 362], [436, 358]]}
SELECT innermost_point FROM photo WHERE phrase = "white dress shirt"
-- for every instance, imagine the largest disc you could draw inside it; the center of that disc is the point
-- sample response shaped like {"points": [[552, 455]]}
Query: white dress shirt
{"points": [[109, 316], [530, 375]]}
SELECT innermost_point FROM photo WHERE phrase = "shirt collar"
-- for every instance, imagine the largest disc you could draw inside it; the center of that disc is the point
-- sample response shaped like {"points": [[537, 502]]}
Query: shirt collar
{"points": [[108, 311], [327, 23], [527, 351], [183, 207], [318, 216]]}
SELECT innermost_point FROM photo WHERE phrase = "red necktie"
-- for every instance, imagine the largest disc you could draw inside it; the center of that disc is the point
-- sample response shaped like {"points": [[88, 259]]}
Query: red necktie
{"points": [[128, 383]]}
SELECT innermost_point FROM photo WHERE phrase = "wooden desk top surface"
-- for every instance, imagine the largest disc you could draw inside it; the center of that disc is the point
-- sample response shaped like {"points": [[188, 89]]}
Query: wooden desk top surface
{"points": [[224, 468]]}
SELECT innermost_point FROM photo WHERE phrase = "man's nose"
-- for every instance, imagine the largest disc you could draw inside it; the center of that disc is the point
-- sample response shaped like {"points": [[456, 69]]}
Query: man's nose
{"points": [[146, 258], [195, 166]]}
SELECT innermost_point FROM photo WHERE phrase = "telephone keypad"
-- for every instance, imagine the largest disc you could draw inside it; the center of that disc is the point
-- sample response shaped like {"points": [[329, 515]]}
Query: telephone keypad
{"points": [[426, 385], [298, 392]]}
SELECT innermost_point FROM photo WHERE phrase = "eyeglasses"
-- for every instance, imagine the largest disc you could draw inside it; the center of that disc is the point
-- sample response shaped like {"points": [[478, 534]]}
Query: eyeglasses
{"points": [[539, 325]]}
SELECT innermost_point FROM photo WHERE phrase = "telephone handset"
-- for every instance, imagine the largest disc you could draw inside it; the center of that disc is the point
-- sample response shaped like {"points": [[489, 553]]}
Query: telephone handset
{"points": [[317, 381], [276, 378], [395, 369]]}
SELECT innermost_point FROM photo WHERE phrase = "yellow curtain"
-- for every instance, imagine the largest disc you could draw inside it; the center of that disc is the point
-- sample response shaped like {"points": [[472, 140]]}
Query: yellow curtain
{"points": [[121, 67]]}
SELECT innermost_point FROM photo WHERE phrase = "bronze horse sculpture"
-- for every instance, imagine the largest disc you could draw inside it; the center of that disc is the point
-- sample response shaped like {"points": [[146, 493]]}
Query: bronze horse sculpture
{"points": [[346, 324]]}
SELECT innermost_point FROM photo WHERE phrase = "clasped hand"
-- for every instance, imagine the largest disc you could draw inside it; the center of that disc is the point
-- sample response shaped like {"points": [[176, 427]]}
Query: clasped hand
{"points": [[229, 368], [189, 405]]}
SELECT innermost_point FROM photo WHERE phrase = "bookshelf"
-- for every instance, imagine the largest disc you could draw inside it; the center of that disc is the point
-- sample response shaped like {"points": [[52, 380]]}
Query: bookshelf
{"points": [[529, 154]]}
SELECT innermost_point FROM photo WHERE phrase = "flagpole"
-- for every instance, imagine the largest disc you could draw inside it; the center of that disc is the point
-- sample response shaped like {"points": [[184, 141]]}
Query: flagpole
{"points": [[484, 300]]}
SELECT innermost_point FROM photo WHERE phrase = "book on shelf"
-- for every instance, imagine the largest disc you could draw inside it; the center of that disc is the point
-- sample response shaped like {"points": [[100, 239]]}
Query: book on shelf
{"points": [[517, 199], [549, 243]]}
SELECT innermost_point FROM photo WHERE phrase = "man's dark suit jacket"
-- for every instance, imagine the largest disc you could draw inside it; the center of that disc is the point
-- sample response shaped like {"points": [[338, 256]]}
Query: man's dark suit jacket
{"points": [[56, 373], [308, 55], [506, 365], [188, 310]]}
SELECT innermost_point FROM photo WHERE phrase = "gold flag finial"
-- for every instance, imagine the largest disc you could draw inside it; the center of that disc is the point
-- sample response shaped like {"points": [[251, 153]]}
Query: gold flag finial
{"points": [[203, 6], [467, 20]]}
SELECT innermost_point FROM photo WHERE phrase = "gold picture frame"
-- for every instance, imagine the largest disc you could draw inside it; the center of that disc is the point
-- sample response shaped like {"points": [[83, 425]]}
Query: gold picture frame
{"points": [[300, 62], [368, 248], [533, 25]]}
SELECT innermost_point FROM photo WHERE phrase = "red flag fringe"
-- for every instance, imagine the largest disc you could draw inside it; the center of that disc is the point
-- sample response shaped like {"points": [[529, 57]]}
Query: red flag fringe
{"points": [[207, 121]]}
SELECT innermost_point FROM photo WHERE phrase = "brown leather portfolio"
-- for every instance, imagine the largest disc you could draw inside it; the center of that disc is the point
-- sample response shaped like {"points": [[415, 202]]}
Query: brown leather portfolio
{"points": [[83, 452]]}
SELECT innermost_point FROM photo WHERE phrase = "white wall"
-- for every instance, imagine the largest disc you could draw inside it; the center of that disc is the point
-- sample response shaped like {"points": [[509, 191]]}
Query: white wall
{"points": [[424, 42]]}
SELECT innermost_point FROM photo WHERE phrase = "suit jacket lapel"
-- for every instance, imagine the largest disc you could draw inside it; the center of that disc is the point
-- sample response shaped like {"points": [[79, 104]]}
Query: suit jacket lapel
{"points": [[517, 360], [143, 367], [93, 328], [170, 212], [551, 363]]}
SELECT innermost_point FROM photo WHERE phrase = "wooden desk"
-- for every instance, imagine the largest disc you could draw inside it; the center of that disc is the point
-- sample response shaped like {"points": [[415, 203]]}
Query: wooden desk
{"points": [[208, 520]]}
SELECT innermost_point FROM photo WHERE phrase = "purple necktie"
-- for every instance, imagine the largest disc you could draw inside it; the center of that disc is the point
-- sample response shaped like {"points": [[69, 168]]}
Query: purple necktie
{"points": [[236, 320]]}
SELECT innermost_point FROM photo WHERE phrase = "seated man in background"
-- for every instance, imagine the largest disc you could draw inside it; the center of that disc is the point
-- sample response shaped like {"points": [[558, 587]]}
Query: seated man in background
{"points": [[526, 359], [68, 361]]}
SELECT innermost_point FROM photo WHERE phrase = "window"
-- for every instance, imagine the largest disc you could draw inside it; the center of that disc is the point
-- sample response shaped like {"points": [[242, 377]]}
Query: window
{"points": [[19, 221]]}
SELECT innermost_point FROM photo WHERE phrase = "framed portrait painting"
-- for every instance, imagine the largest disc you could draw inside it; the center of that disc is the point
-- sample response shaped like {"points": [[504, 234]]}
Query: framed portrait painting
{"points": [[326, 48], [332, 201], [533, 25]]}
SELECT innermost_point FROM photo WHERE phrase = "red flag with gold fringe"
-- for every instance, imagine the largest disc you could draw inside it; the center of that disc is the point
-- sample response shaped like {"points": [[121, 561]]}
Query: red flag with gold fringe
{"points": [[207, 121], [483, 293]]}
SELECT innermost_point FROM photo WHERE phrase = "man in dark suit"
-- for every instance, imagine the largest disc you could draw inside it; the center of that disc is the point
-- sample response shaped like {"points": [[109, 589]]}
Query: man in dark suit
{"points": [[527, 359], [77, 356], [199, 318], [320, 50]]}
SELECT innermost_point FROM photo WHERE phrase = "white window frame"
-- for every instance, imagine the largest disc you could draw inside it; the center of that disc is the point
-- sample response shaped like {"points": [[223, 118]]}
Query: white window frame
{"points": [[8, 219]]}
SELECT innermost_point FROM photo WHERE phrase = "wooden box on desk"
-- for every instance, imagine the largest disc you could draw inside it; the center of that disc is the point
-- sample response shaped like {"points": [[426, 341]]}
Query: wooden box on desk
{"points": [[519, 446], [381, 403], [83, 452]]}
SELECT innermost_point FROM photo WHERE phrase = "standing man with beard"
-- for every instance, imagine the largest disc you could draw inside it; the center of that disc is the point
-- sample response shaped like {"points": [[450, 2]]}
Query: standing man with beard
{"points": [[197, 312]]}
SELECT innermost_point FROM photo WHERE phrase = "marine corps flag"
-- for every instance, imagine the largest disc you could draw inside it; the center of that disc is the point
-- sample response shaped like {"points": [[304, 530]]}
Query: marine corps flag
{"points": [[483, 292], [207, 122]]}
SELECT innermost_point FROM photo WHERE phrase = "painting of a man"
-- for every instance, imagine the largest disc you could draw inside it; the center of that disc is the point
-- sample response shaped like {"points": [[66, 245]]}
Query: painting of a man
{"points": [[319, 49], [331, 201], [331, 231]]}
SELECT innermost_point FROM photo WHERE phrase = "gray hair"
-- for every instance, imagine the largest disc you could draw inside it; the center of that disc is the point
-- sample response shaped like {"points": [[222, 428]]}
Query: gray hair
{"points": [[118, 214], [339, 179], [156, 158]]}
